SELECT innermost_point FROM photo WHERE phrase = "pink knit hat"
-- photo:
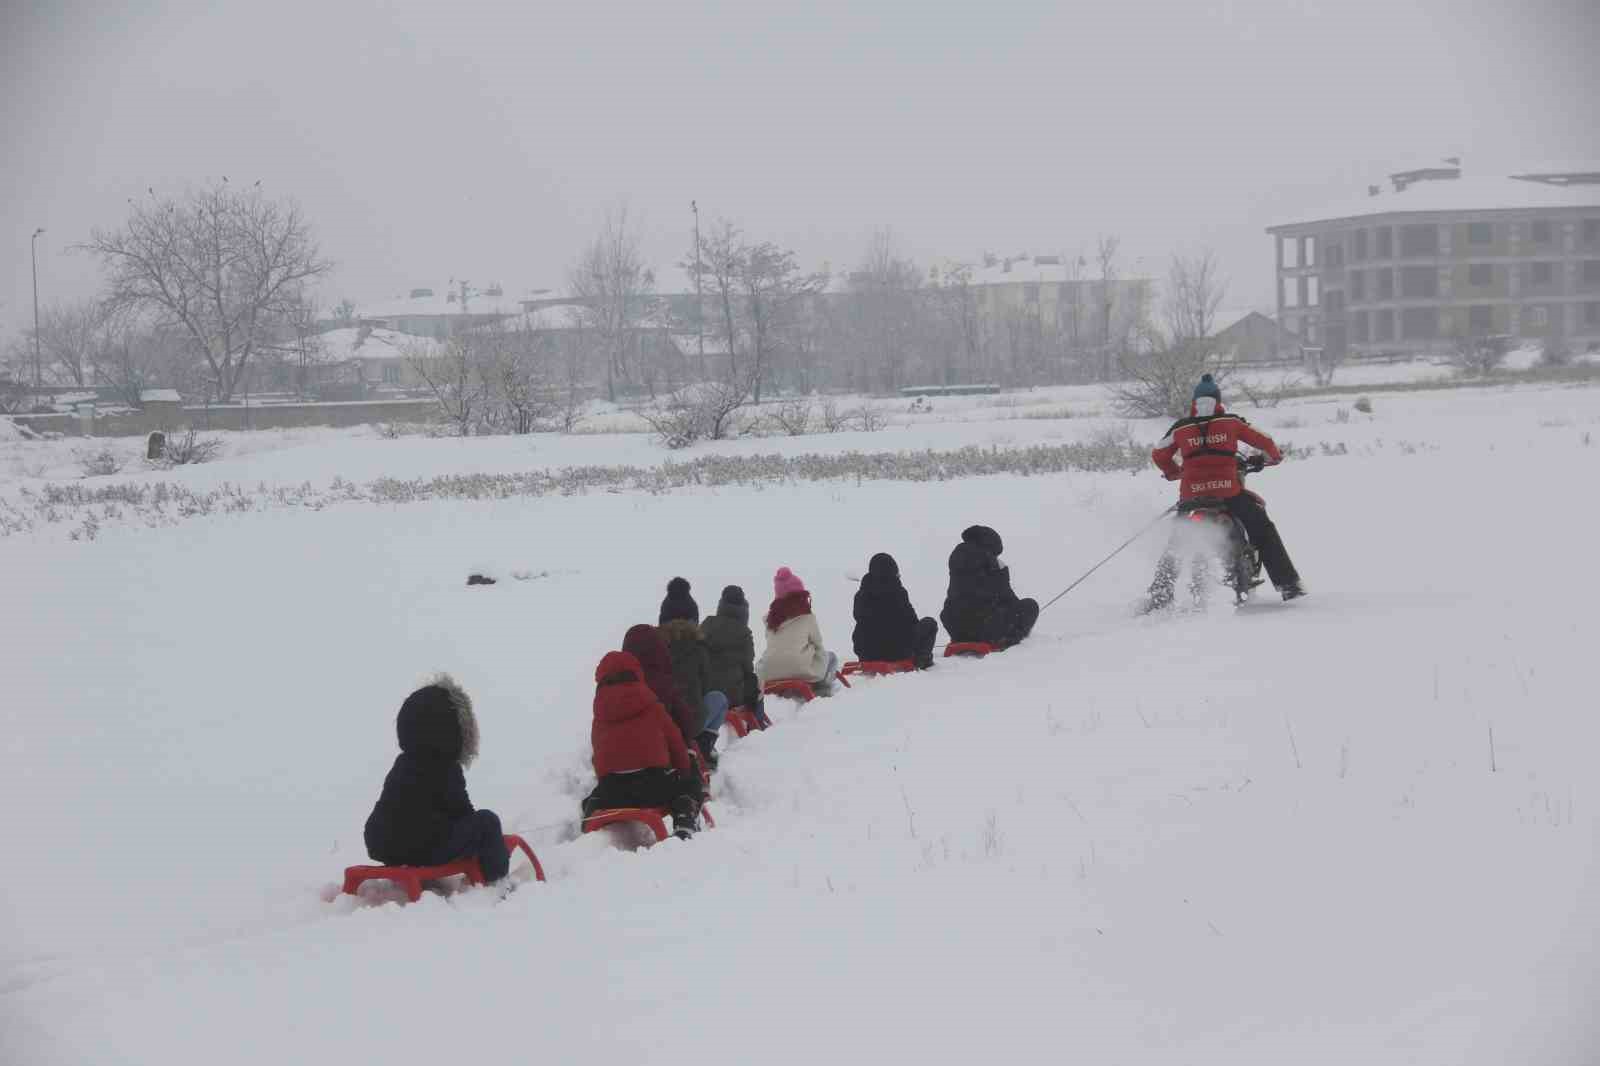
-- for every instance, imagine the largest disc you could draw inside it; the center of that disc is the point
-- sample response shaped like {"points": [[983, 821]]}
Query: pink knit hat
{"points": [[785, 583]]}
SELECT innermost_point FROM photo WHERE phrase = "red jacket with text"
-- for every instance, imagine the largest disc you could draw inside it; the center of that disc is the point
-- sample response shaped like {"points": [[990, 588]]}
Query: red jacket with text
{"points": [[632, 731], [1209, 447]]}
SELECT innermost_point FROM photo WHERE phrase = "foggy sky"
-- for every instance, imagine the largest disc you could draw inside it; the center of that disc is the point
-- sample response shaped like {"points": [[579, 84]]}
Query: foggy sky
{"points": [[485, 141]]}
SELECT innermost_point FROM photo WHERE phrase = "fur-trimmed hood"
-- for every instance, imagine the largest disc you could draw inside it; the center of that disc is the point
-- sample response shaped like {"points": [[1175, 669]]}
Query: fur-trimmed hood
{"points": [[437, 720], [681, 629]]}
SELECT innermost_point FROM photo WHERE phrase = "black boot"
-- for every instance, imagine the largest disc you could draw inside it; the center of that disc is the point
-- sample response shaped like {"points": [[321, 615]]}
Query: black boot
{"points": [[707, 743], [1292, 591], [685, 818]]}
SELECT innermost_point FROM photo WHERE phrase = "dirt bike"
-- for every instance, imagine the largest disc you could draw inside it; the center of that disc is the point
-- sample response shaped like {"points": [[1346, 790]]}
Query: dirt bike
{"points": [[1229, 545]]}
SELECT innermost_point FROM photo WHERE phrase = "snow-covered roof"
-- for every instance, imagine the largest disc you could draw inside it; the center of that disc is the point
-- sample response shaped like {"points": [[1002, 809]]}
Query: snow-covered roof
{"points": [[1045, 270], [439, 303], [343, 345], [159, 396], [1457, 194], [1227, 319]]}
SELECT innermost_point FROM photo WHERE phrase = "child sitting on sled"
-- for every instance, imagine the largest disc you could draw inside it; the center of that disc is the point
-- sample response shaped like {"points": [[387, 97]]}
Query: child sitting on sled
{"points": [[639, 754], [423, 816]]}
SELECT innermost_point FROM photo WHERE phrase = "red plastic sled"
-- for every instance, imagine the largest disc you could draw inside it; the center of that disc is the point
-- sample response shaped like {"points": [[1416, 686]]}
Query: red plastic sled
{"points": [[410, 878], [653, 818], [877, 668], [790, 690], [743, 721], [975, 648]]}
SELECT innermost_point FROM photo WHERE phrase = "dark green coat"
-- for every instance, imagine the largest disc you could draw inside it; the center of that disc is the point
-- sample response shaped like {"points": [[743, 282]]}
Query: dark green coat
{"points": [[732, 649], [691, 663]]}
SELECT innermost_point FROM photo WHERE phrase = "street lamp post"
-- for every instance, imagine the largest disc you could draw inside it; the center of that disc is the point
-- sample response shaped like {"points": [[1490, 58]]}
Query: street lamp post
{"points": [[33, 251]]}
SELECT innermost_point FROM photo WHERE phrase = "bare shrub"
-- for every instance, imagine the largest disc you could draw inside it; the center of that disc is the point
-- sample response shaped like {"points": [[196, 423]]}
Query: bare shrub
{"points": [[99, 462], [1474, 356], [1267, 396], [1555, 351], [868, 418], [793, 418], [1160, 383], [833, 419], [1364, 405], [191, 448]]}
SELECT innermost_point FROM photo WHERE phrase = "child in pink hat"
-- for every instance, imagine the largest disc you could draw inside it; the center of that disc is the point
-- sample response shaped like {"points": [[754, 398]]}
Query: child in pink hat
{"points": [[795, 651]]}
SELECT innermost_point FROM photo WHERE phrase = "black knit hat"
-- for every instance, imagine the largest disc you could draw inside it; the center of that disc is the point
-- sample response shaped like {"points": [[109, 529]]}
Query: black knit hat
{"points": [[883, 567], [679, 604], [734, 605]]}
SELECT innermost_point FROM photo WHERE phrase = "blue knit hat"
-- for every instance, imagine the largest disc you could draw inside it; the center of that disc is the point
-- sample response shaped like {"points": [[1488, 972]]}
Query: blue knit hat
{"points": [[1208, 387]]}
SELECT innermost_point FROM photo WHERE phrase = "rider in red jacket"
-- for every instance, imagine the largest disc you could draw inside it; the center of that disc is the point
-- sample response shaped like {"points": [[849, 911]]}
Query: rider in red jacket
{"points": [[1207, 442]]}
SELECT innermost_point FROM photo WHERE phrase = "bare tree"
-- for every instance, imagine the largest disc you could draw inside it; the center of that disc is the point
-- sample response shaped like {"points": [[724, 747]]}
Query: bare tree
{"points": [[1159, 380], [613, 286], [453, 372], [955, 311], [718, 271], [1105, 256], [885, 289], [1194, 292], [226, 265], [72, 338], [774, 292]]}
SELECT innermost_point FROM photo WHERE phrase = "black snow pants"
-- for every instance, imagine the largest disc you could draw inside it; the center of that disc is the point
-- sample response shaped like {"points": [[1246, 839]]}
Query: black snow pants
{"points": [[477, 835], [1252, 514], [927, 635], [653, 787]]}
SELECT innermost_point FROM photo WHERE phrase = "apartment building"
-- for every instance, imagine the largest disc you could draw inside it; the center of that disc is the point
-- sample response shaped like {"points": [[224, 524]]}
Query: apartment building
{"points": [[1444, 257]]}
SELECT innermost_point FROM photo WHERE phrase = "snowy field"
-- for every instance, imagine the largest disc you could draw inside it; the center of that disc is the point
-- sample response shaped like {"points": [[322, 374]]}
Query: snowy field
{"points": [[1364, 827]]}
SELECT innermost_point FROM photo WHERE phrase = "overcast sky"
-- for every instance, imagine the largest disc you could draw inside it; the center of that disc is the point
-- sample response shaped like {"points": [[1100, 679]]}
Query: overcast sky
{"points": [[485, 141]]}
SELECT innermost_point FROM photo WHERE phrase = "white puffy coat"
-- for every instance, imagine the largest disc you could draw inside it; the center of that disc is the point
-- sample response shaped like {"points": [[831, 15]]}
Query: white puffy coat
{"points": [[794, 652]]}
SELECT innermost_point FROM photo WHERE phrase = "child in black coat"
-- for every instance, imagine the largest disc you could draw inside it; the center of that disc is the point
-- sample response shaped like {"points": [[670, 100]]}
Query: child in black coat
{"points": [[887, 626], [423, 817]]}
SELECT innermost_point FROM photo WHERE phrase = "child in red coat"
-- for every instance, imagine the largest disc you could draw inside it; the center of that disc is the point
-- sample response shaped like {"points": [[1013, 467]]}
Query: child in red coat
{"points": [[639, 753]]}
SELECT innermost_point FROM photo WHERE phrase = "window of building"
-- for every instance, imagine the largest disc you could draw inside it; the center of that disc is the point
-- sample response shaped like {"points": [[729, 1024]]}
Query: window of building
{"points": [[1361, 244], [1360, 327], [1591, 314], [1385, 242], [1308, 251], [1541, 273], [1480, 275], [1303, 293], [1480, 320], [1591, 271], [1358, 285], [391, 374], [1383, 325], [1313, 292], [1030, 292], [1419, 323], [1480, 233], [1541, 232], [1418, 283], [1418, 241], [1386, 284], [1591, 231], [1286, 292], [1537, 317], [1289, 251]]}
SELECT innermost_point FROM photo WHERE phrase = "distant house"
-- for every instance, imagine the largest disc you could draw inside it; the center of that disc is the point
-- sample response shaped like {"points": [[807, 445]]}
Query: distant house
{"points": [[444, 312], [1252, 337], [372, 357]]}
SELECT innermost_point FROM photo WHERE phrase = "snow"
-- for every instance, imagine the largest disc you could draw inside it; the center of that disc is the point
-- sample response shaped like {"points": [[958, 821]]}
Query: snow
{"points": [[1457, 194], [160, 396], [344, 345], [1282, 834]]}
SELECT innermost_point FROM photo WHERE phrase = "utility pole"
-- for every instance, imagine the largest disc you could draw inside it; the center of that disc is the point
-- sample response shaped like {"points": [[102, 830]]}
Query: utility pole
{"points": [[699, 300], [33, 251]]}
